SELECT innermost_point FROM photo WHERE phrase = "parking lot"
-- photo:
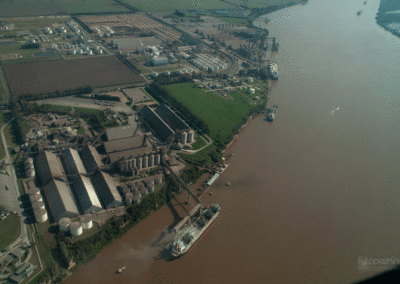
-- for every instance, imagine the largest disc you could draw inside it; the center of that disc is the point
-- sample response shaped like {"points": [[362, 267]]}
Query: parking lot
{"points": [[8, 198]]}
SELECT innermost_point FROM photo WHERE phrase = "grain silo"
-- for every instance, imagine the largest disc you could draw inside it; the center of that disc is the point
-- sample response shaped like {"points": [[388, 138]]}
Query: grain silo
{"points": [[150, 187], [128, 198], [87, 222], [143, 190], [250, 80], [40, 215], [76, 228], [137, 193], [33, 191], [35, 198], [139, 163], [190, 138], [157, 159], [125, 190], [158, 179], [38, 205], [136, 199], [90, 52], [30, 173], [145, 161], [151, 160], [134, 188], [252, 91], [183, 137], [64, 224]]}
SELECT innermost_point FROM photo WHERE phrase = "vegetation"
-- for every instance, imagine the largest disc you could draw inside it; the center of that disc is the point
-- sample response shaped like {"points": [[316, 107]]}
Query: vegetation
{"points": [[191, 175], [30, 46], [200, 142], [10, 229], [172, 5], [86, 110], [70, 92], [18, 125]]}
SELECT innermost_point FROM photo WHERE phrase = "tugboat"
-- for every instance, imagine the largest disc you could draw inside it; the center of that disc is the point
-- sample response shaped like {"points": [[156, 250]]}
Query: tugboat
{"points": [[336, 108], [359, 13], [271, 113], [273, 71]]}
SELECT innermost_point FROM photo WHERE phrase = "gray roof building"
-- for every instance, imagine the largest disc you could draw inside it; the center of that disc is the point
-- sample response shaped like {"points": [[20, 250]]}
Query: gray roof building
{"points": [[87, 196], [73, 162], [91, 158], [60, 200], [17, 252], [157, 123], [121, 132], [170, 118], [107, 190], [47, 166]]}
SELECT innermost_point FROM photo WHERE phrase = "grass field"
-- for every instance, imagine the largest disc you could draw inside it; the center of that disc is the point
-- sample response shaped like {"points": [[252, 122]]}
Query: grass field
{"points": [[23, 8], [171, 5], [142, 69], [200, 142], [10, 228], [220, 114], [16, 48], [86, 110]]}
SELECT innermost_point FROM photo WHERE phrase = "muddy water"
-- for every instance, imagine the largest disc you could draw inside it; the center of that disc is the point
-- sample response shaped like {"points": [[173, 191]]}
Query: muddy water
{"points": [[311, 192]]}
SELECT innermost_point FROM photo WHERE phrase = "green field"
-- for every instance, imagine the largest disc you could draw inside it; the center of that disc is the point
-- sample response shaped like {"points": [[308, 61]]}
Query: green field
{"points": [[200, 142], [171, 5], [35, 22], [16, 48], [86, 110], [23, 8], [220, 114], [142, 69], [10, 228]]}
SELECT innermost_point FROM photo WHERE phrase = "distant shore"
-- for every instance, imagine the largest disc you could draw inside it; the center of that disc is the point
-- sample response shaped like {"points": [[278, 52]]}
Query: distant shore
{"points": [[388, 16]]}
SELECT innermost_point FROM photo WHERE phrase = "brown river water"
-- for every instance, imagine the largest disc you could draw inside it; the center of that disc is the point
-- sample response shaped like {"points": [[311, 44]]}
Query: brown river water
{"points": [[313, 191]]}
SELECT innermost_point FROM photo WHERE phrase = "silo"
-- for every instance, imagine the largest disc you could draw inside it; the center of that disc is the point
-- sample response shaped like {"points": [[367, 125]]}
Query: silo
{"points": [[150, 187], [126, 166], [128, 198], [145, 161], [100, 51], [158, 179], [137, 193], [90, 52], [133, 163], [40, 215], [136, 199], [122, 166], [76, 228], [125, 190], [64, 224], [151, 160], [190, 138], [143, 190], [157, 159], [80, 51], [38, 205], [250, 80], [30, 173], [139, 163], [33, 191], [183, 137], [87, 222], [35, 198], [87, 48], [134, 189]]}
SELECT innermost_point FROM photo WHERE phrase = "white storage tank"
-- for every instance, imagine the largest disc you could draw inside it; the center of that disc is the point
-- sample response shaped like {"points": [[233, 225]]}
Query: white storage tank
{"points": [[157, 159], [87, 222], [143, 190], [145, 161], [139, 163], [80, 51], [38, 205], [137, 193], [128, 198], [250, 80], [90, 52], [35, 198], [190, 138], [136, 199], [158, 179], [40, 215], [33, 191], [183, 137], [252, 91], [150, 187], [64, 224], [125, 190], [151, 160], [76, 228]]}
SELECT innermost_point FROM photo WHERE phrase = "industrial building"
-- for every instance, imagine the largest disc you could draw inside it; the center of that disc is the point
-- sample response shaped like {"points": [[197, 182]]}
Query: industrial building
{"points": [[166, 123], [106, 190], [121, 132], [88, 200], [73, 162], [159, 60], [47, 167], [207, 62], [60, 200], [91, 158]]}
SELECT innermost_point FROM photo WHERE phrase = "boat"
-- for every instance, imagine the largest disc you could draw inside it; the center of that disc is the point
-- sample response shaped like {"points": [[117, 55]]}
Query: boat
{"points": [[365, 2], [359, 13], [186, 237], [336, 108], [270, 113], [273, 71]]}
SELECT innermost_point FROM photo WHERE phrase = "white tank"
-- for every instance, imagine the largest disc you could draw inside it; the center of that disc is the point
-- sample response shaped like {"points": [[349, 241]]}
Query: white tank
{"points": [[190, 138], [64, 224], [158, 179], [128, 198], [144, 190], [38, 205], [90, 52], [100, 51], [136, 199], [139, 163], [183, 137], [151, 160], [150, 187], [36, 197], [125, 190], [33, 191], [145, 161], [157, 159], [76, 228], [40, 215], [87, 222], [137, 193]]}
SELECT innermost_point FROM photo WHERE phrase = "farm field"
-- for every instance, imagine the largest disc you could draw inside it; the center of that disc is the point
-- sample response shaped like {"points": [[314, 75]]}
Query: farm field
{"points": [[234, 21], [34, 22], [171, 5], [10, 229], [220, 114], [49, 76], [23, 8], [16, 49]]}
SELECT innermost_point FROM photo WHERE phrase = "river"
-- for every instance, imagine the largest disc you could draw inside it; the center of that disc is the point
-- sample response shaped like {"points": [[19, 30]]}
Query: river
{"points": [[312, 192]]}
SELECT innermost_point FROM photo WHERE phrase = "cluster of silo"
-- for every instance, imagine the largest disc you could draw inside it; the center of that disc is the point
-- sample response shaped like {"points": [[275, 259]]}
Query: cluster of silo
{"points": [[40, 215], [29, 168], [87, 222], [135, 163], [64, 224], [134, 191], [207, 62], [75, 228], [187, 137], [37, 204]]}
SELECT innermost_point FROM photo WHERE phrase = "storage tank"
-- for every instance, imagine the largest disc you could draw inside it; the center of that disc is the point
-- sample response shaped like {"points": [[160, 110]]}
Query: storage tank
{"points": [[183, 137], [100, 51], [151, 160], [190, 138], [250, 80], [143, 190], [150, 187], [86, 221], [139, 163], [157, 159], [158, 179], [35, 198], [145, 162], [128, 198], [134, 188], [33, 191], [38, 205], [76, 228], [137, 193], [90, 52], [122, 167], [40, 215], [125, 190], [252, 91], [30, 173], [64, 224]]}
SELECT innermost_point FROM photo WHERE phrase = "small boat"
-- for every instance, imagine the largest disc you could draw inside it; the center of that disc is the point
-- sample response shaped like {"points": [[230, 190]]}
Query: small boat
{"points": [[365, 2], [336, 108], [359, 13], [119, 270]]}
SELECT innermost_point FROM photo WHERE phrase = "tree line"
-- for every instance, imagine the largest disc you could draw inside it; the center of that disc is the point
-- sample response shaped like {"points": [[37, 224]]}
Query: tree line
{"points": [[70, 92]]}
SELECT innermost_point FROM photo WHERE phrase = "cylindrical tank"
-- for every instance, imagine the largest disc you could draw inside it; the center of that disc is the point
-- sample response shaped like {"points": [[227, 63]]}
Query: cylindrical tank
{"points": [[183, 137], [140, 184], [133, 163], [128, 198], [145, 162], [158, 179], [137, 193], [35, 198], [40, 215], [33, 191], [122, 166], [151, 160], [157, 159], [76, 228], [100, 51], [90, 52], [139, 163], [64, 224], [38, 205], [30, 173], [190, 138], [87, 222], [125, 190], [134, 188], [150, 187], [136, 199], [143, 190]]}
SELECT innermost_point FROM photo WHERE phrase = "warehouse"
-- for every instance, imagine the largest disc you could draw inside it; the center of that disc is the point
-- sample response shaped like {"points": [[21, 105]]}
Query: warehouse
{"points": [[91, 158], [106, 190], [88, 200], [170, 118], [121, 132], [47, 167], [60, 200], [73, 162], [155, 121], [159, 60]]}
